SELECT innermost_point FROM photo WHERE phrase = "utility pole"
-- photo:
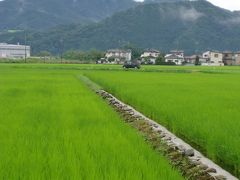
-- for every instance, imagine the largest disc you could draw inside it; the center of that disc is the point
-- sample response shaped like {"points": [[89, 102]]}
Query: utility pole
{"points": [[61, 49], [25, 39]]}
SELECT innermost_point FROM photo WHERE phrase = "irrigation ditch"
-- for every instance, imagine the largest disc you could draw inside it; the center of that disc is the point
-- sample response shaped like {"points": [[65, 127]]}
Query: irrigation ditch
{"points": [[190, 162]]}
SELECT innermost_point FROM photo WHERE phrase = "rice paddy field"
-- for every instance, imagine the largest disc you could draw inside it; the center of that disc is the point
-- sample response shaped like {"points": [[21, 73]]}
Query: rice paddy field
{"points": [[202, 106], [53, 127]]}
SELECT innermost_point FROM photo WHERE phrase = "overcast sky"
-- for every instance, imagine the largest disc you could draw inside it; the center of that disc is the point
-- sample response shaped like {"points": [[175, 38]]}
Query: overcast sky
{"points": [[227, 4]]}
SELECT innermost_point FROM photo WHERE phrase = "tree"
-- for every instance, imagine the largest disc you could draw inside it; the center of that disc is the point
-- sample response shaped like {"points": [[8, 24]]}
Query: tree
{"points": [[111, 59], [136, 51], [197, 62], [160, 60], [45, 55], [92, 55], [71, 54]]}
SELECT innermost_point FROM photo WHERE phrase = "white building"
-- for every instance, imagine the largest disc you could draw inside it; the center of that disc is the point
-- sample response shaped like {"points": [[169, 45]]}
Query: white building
{"points": [[14, 51], [119, 55], [179, 53], [172, 58], [175, 56], [150, 55], [237, 58], [213, 58]]}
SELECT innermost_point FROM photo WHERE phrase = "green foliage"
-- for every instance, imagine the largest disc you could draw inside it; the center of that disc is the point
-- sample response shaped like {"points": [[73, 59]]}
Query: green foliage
{"points": [[136, 51], [168, 63], [53, 127], [197, 61], [111, 59], [44, 54], [160, 60], [92, 55]]}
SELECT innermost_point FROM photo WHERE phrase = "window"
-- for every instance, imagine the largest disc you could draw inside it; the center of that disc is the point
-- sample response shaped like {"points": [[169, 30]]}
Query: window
{"points": [[216, 55]]}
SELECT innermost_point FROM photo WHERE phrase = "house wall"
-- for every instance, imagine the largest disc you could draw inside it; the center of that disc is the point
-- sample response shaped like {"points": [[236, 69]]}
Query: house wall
{"points": [[202, 60], [229, 58], [229, 62], [190, 59], [216, 57], [206, 55], [237, 59], [148, 54], [213, 58], [176, 61]]}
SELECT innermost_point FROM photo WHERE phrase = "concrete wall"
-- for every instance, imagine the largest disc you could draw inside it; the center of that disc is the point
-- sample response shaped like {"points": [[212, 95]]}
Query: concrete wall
{"points": [[119, 55]]}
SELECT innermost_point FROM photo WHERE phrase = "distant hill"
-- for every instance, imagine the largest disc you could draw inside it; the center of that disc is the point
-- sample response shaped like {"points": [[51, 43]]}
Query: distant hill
{"points": [[193, 26], [42, 14]]}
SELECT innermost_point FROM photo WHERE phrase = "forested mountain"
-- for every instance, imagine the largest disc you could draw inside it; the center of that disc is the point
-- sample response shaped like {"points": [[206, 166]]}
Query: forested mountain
{"points": [[190, 25], [42, 14], [162, 1]]}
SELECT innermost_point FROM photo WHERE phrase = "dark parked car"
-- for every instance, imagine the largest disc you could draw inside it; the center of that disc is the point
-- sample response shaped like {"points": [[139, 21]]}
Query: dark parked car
{"points": [[132, 64]]}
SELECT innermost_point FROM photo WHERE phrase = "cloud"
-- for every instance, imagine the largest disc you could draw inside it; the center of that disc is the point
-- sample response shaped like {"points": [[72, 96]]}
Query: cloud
{"points": [[227, 4], [189, 14], [232, 21], [182, 13], [235, 20]]}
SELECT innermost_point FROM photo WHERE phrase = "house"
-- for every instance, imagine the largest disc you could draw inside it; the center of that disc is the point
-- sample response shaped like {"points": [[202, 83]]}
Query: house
{"points": [[213, 58], [229, 58], [13, 51], [192, 59], [172, 58], [149, 56], [175, 56], [237, 58], [119, 56], [179, 53]]}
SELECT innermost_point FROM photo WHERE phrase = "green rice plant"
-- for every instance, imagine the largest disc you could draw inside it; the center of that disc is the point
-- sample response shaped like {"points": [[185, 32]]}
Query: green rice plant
{"points": [[53, 127], [203, 108]]}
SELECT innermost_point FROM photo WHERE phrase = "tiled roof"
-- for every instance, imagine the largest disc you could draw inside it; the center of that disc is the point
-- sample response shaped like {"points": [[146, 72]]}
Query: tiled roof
{"points": [[151, 50], [119, 51]]}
